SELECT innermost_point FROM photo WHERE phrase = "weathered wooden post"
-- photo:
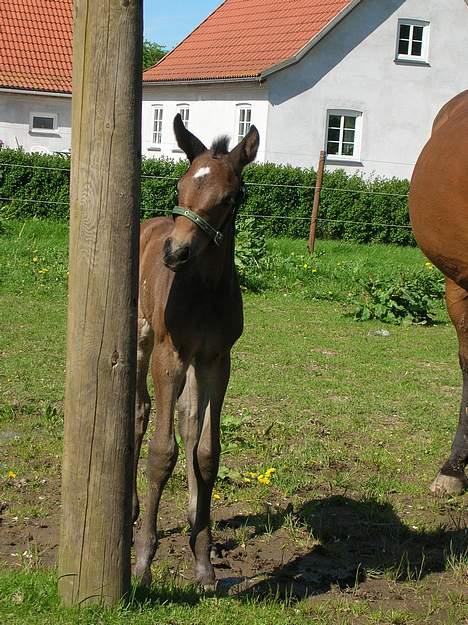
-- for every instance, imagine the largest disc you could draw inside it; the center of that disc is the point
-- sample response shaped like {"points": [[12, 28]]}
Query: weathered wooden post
{"points": [[315, 206], [94, 560]]}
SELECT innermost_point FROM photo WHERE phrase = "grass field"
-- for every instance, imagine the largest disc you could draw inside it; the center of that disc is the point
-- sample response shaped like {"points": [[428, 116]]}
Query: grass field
{"points": [[354, 423]]}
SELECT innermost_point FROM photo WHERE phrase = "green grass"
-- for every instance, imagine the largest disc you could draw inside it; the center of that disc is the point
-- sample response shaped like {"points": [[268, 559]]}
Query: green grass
{"points": [[355, 424]]}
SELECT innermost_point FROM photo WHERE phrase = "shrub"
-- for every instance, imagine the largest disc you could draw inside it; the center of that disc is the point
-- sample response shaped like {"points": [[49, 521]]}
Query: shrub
{"points": [[250, 252], [409, 298]]}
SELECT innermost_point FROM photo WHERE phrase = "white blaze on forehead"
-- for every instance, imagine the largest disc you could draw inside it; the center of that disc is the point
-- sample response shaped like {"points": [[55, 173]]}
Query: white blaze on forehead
{"points": [[203, 171]]}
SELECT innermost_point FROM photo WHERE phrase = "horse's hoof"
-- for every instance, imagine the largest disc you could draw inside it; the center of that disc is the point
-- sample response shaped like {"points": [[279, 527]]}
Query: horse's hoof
{"points": [[449, 484]]}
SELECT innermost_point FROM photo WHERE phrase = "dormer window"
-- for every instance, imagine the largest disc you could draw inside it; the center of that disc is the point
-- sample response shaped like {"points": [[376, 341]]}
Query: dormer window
{"points": [[413, 41]]}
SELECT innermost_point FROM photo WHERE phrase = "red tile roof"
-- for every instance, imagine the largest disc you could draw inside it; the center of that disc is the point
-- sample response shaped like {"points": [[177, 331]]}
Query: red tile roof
{"points": [[36, 45], [244, 38]]}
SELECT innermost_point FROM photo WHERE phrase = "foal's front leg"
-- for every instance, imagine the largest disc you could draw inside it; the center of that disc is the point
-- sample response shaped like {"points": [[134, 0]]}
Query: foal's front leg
{"points": [[168, 373], [205, 389]]}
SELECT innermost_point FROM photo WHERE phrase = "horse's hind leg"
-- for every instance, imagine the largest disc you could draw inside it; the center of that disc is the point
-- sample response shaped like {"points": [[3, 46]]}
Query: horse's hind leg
{"points": [[203, 450], [168, 373], [451, 478], [143, 402]]}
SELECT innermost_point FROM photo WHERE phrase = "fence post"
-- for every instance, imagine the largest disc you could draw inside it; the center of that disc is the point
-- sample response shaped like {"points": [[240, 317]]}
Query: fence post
{"points": [[95, 537], [315, 207]]}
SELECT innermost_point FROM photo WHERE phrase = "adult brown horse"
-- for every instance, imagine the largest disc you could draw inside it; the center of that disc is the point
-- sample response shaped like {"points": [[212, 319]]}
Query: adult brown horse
{"points": [[439, 216], [190, 316]]}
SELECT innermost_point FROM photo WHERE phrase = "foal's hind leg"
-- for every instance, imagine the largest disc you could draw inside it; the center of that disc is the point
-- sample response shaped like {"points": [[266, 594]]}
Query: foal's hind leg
{"points": [[143, 402], [204, 392], [168, 373], [451, 479]]}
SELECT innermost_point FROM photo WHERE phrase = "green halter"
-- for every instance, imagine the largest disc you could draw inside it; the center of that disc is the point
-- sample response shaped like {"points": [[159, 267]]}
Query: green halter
{"points": [[216, 236]]}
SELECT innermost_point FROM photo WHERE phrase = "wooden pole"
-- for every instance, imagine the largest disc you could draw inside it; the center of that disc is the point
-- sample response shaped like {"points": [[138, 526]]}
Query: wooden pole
{"points": [[95, 540], [315, 207]]}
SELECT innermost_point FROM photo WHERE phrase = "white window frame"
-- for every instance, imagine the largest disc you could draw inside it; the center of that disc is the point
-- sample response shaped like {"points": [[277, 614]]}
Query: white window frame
{"points": [[413, 58], [157, 124], [43, 131], [244, 120], [342, 113], [184, 110]]}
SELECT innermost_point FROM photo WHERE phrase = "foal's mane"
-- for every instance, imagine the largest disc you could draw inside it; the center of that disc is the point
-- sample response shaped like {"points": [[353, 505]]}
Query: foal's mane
{"points": [[220, 146]]}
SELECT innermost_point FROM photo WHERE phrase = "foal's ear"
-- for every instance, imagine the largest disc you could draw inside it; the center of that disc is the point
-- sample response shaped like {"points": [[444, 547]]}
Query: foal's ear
{"points": [[186, 140], [245, 152]]}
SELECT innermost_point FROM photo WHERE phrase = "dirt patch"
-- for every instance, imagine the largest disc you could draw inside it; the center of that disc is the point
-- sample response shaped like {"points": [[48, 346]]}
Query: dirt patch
{"points": [[332, 545]]}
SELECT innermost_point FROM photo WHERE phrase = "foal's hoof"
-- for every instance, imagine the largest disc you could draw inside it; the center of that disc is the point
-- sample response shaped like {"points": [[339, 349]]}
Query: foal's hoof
{"points": [[449, 484], [143, 576], [207, 580]]}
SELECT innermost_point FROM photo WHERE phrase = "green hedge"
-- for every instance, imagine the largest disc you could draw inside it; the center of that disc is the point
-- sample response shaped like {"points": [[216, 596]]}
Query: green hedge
{"points": [[38, 187]]}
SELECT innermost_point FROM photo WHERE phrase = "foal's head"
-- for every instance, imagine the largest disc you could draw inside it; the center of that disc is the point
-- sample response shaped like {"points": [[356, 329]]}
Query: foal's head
{"points": [[208, 193]]}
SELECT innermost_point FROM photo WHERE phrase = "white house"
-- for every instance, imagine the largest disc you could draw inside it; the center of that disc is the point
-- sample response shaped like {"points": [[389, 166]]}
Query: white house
{"points": [[35, 75], [361, 79]]}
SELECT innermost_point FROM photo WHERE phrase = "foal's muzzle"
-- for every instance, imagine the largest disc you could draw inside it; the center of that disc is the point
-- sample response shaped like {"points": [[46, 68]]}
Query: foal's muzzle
{"points": [[174, 255]]}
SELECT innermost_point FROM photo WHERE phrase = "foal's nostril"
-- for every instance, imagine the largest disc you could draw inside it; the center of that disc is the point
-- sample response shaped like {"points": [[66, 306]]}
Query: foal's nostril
{"points": [[174, 256], [167, 248], [182, 253]]}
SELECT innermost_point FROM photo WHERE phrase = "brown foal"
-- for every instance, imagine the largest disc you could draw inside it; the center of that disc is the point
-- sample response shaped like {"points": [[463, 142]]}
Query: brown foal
{"points": [[439, 216], [190, 316]]}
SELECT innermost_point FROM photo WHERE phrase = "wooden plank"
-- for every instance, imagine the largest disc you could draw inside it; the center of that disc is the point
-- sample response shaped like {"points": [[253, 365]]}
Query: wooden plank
{"points": [[94, 558]]}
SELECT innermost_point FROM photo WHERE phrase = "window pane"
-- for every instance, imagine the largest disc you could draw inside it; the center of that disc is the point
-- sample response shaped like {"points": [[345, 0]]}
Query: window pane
{"points": [[348, 136], [43, 123], [416, 48], [403, 47], [405, 31], [348, 149], [334, 134], [417, 33], [350, 122], [242, 115], [332, 147], [248, 114], [334, 121]]}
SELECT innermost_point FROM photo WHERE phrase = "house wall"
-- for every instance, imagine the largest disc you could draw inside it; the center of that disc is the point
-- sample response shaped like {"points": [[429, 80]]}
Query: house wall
{"points": [[15, 110], [354, 67], [213, 112]]}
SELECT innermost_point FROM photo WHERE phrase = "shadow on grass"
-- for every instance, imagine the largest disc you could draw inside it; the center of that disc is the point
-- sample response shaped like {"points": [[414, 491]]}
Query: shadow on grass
{"points": [[353, 541], [160, 594]]}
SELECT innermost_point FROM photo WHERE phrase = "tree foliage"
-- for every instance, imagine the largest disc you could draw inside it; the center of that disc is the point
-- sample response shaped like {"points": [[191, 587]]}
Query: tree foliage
{"points": [[152, 53]]}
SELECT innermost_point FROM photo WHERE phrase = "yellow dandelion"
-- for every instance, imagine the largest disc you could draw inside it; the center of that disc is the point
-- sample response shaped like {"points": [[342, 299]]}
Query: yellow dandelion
{"points": [[35, 259], [247, 480], [305, 265], [314, 270], [216, 497], [11, 475], [263, 479], [269, 472]]}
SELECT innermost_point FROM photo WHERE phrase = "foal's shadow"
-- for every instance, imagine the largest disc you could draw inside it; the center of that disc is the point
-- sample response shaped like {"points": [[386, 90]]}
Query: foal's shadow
{"points": [[353, 541]]}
